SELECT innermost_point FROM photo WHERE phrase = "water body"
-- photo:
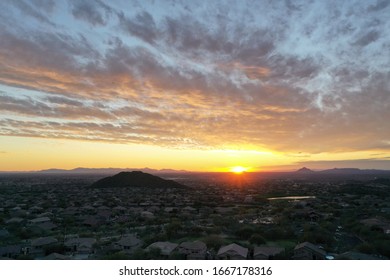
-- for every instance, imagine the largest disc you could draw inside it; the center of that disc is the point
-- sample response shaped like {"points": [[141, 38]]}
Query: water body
{"points": [[291, 197]]}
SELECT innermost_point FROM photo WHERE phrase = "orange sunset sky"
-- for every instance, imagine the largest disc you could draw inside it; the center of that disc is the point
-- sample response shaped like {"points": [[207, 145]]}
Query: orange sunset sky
{"points": [[200, 86]]}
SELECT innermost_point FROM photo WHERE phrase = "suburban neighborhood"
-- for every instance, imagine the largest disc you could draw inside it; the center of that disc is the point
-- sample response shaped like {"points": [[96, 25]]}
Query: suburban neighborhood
{"points": [[53, 217]]}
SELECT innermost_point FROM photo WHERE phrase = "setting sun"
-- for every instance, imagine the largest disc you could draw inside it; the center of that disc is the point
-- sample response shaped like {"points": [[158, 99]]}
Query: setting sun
{"points": [[238, 169]]}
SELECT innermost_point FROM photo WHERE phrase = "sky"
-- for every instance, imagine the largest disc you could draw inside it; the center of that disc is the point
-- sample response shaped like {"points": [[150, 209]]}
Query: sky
{"points": [[195, 85]]}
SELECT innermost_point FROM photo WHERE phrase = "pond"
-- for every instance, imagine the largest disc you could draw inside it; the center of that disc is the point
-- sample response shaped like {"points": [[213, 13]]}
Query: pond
{"points": [[291, 197]]}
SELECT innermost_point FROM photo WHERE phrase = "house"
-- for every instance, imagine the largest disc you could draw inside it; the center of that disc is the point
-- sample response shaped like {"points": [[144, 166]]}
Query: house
{"points": [[38, 245], [308, 251], [153, 209], [359, 256], [232, 252], [43, 241], [377, 223], [10, 251], [224, 210], [88, 209], [104, 214], [120, 209], [17, 212], [45, 214], [170, 209], [166, 248], [92, 221], [147, 215], [129, 243], [4, 233], [39, 220], [122, 219], [71, 211], [35, 209], [14, 221], [80, 245], [195, 250], [47, 226], [190, 210], [266, 252], [56, 256]]}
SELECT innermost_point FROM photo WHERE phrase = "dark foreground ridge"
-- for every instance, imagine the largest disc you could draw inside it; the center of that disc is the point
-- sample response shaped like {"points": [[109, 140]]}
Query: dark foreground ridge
{"points": [[135, 179]]}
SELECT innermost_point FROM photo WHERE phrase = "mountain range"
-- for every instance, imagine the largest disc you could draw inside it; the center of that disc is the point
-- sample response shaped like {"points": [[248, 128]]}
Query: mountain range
{"points": [[83, 170], [342, 171], [111, 171]]}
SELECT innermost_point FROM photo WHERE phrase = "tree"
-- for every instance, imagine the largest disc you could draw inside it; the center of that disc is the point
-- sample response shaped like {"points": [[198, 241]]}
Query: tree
{"points": [[245, 232], [383, 247], [172, 229], [213, 241], [365, 248], [56, 248], [257, 239]]}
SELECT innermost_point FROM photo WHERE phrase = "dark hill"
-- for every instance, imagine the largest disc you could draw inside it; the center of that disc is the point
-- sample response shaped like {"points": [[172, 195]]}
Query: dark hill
{"points": [[305, 170], [135, 179]]}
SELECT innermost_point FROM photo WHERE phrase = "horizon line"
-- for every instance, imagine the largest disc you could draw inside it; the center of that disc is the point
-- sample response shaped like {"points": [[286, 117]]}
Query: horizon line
{"points": [[53, 170]]}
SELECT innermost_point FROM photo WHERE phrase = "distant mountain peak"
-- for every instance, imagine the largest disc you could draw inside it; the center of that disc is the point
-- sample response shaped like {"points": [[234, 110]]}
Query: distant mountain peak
{"points": [[305, 170], [135, 179]]}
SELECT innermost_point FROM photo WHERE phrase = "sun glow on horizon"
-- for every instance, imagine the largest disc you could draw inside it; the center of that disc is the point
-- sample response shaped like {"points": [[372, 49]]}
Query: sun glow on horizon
{"points": [[239, 169]]}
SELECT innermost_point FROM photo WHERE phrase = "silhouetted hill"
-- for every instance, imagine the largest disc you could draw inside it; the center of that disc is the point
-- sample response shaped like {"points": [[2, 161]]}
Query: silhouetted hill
{"points": [[135, 179], [305, 170]]}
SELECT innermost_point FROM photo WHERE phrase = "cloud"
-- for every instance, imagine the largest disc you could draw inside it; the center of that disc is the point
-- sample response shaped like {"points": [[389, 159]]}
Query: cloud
{"points": [[192, 75], [54, 51], [141, 26], [37, 9], [95, 13], [89, 131], [47, 5], [63, 101], [367, 38], [380, 5], [60, 108]]}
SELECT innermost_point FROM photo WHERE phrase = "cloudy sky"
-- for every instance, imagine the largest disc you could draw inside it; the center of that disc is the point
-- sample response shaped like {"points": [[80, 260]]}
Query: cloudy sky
{"points": [[198, 85]]}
